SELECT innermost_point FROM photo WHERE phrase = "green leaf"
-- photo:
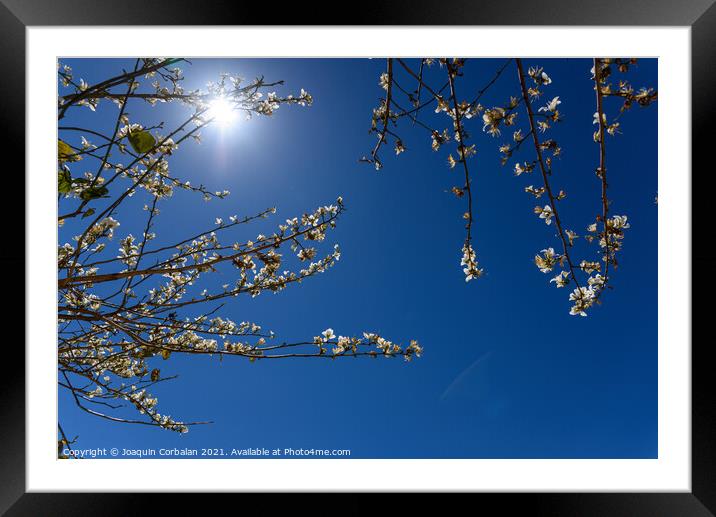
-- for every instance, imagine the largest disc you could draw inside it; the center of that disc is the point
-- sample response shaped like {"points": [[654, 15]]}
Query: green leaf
{"points": [[142, 141], [93, 193], [166, 353], [65, 152], [64, 181], [155, 375], [88, 213]]}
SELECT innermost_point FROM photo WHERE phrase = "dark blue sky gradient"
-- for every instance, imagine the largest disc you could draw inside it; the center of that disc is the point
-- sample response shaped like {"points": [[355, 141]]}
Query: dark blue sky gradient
{"points": [[506, 372]]}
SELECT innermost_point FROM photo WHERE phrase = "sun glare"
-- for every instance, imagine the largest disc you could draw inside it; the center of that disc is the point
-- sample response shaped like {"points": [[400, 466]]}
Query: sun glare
{"points": [[222, 111]]}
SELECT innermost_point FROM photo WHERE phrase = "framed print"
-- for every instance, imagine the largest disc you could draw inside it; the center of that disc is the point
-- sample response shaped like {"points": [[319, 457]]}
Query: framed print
{"points": [[331, 259]]}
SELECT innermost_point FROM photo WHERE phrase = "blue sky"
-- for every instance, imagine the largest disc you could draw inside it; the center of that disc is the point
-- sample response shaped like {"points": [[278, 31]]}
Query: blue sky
{"points": [[506, 371]]}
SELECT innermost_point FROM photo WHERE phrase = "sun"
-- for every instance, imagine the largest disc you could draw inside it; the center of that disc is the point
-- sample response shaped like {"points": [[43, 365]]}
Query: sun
{"points": [[221, 110]]}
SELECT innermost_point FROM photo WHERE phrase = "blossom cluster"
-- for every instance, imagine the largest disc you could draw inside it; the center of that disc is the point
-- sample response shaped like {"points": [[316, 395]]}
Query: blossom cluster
{"points": [[469, 261], [375, 343]]}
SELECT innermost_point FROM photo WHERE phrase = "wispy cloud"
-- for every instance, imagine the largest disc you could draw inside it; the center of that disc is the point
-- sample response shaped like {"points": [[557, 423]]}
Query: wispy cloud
{"points": [[462, 376]]}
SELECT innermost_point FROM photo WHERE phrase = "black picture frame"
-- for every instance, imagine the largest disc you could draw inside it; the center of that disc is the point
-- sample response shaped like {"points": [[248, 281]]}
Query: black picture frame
{"points": [[700, 15]]}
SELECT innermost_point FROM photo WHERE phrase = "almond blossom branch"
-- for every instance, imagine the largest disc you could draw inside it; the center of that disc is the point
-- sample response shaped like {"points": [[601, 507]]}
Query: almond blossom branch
{"points": [[469, 259], [545, 172], [385, 115], [602, 170], [72, 100]]}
